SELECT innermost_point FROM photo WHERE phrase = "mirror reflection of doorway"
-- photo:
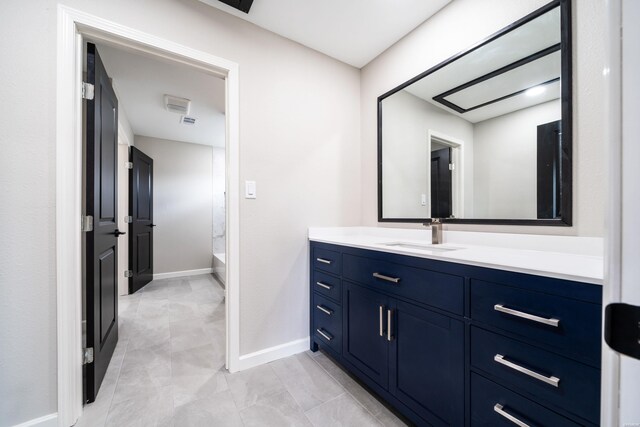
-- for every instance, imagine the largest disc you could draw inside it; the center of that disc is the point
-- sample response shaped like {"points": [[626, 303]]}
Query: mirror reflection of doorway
{"points": [[441, 180], [549, 170], [445, 176]]}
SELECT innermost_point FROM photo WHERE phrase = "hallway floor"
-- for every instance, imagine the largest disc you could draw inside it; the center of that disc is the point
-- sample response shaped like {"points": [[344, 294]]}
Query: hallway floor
{"points": [[168, 370]]}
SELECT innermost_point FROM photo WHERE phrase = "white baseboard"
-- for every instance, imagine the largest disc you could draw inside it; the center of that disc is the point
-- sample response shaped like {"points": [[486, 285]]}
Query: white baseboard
{"points": [[173, 274], [50, 420], [273, 353]]}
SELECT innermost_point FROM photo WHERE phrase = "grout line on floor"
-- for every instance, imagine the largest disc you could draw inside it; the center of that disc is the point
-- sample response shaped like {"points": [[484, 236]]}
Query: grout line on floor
{"points": [[345, 389], [115, 387]]}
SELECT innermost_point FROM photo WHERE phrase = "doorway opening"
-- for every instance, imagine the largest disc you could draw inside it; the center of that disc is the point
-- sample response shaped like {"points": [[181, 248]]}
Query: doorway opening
{"points": [[149, 285], [75, 29], [445, 181]]}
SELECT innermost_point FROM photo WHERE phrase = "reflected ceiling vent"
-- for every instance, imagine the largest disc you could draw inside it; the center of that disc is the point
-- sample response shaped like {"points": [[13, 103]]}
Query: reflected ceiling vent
{"points": [[188, 120], [178, 105]]}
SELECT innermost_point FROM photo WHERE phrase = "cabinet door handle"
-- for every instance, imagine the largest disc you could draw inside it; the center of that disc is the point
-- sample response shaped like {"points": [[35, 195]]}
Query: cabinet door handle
{"points": [[324, 310], [387, 278], [325, 335], [389, 316], [381, 322], [324, 261], [547, 321], [500, 410], [554, 381], [324, 285]]}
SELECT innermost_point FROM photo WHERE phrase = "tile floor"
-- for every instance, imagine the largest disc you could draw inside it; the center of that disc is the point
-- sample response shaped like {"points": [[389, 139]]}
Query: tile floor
{"points": [[168, 370]]}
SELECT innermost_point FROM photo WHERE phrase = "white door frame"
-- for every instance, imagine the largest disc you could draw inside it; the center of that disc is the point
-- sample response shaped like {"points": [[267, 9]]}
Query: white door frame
{"points": [[73, 27], [457, 184], [619, 373]]}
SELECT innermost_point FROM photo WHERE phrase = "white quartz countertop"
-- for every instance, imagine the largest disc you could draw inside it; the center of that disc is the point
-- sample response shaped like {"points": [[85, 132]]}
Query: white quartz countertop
{"points": [[570, 258]]}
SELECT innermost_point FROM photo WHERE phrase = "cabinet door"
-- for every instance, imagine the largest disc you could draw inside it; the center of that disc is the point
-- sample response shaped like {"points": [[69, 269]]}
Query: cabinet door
{"points": [[426, 363], [364, 324]]}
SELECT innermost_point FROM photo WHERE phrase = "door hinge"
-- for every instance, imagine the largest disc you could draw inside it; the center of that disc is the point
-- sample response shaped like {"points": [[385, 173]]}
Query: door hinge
{"points": [[128, 219], [128, 165], [88, 91], [87, 223], [87, 355], [451, 166], [128, 273]]}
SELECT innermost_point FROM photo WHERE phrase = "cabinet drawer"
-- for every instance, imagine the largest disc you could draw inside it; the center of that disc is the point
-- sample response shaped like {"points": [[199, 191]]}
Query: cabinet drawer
{"points": [[439, 290], [551, 378], [327, 285], [491, 405], [324, 259], [327, 322], [570, 325]]}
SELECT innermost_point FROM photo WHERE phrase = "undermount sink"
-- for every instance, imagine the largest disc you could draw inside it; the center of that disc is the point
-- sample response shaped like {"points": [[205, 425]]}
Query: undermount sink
{"points": [[417, 246]]}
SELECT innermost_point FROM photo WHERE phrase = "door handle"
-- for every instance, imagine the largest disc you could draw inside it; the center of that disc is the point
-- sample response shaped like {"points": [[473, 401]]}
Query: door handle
{"points": [[118, 233], [152, 225], [389, 317], [381, 322]]}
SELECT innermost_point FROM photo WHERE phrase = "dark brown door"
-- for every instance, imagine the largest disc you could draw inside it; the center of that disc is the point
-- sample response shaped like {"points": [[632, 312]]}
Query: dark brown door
{"points": [[141, 228], [441, 197], [102, 204], [549, 173]]}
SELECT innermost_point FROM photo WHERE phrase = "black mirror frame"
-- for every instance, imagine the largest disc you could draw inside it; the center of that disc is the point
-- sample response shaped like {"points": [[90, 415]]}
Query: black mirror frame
{"points": [[566, 188]]}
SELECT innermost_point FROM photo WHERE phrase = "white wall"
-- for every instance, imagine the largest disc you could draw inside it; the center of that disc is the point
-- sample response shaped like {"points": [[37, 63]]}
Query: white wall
{"points": [[219, 209], [505, 153], [299, 139], [182, 203], [407, 120], [437, 39]]}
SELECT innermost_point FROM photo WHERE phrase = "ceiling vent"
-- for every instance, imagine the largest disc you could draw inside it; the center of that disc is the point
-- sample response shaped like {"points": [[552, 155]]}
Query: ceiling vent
{"points": [[178, 105], [242, 5], [188, 120]]}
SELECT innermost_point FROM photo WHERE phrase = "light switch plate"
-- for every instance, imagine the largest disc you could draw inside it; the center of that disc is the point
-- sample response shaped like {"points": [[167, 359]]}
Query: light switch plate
{"points": [[423, 200], [249, 189]]}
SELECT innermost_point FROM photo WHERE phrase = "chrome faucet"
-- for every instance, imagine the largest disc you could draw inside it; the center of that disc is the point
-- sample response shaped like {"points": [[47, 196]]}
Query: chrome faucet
{"points": [[436, 230]]}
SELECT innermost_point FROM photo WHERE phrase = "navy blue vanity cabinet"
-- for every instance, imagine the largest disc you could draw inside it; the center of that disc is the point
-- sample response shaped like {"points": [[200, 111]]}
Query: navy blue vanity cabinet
{"points": [[538, 338], [426, 369], [325, 302], [365, 340], [402, 329], [450, 344]]}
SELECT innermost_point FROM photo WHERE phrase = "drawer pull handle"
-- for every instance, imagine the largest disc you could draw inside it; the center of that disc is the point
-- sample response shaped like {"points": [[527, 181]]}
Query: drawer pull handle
{"points": [[554, 381], [324, 310], [324, 334], [381, 322], [389, 317], [324, 261], [551, 322], [500, 410], [324, 285], [387, 278]]}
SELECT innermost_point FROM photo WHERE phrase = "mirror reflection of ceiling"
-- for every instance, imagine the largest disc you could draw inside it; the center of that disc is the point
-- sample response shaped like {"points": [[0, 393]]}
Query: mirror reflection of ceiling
{"points": [[518, 70]]}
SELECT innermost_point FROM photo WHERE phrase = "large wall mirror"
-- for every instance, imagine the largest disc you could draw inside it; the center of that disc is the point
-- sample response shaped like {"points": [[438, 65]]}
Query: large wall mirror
{"points": [[484, 137]]}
